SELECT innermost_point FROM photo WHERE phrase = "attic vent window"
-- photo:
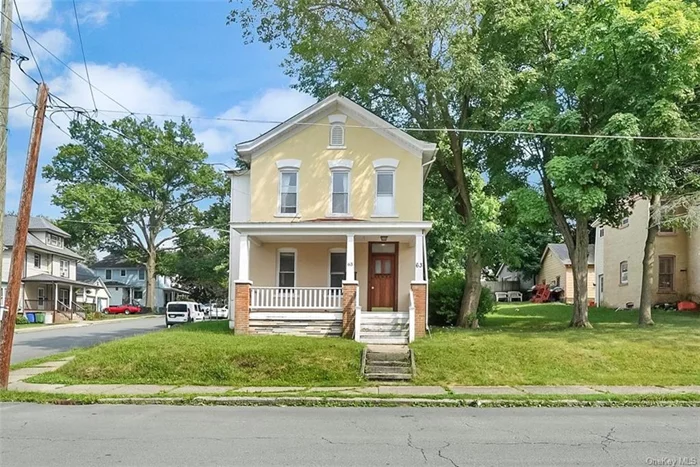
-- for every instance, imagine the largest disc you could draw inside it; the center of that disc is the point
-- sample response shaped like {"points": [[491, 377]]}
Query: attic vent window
{"points": [[336, 137]]}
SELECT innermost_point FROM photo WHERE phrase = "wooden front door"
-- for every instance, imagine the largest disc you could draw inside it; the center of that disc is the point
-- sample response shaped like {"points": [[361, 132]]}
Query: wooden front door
{"points": [[382, 277]]}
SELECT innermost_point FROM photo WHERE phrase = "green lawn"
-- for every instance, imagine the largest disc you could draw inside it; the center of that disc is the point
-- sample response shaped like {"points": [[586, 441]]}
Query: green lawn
{"points": [[531, 344], [519, 344], [208, 354], [28, 325]]}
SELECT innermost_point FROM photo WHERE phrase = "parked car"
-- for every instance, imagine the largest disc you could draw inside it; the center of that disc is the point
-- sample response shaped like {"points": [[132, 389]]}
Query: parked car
{"points": [[219, 312], [126, 308], [182, 312]]}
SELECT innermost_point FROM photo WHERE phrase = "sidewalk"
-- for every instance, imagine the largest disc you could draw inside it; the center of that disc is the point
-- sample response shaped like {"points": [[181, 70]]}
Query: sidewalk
{"points": [[17, 383], [80, 324]]}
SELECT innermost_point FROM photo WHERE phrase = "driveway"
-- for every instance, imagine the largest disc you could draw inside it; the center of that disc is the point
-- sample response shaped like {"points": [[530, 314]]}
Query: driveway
{"points": [[152, 435], [40, 343]]}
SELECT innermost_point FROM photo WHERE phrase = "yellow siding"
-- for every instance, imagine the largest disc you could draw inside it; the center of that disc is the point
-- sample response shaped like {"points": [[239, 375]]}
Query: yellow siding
{"points": [[627, 244], [552, 267], [310, 145]]}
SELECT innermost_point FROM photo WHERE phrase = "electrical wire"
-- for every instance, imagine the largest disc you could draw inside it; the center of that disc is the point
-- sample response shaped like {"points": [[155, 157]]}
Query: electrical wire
{"points": [[23, 93], [21, 26], [415, 129], [82, 49]]}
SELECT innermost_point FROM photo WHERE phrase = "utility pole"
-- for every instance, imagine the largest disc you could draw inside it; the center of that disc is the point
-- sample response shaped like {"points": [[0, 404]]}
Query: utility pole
{"points": [[5, 67], [19, 248]]}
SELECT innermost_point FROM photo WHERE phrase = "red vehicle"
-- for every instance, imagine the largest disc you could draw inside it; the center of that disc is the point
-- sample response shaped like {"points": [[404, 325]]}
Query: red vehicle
{"points": [[124, 308]]}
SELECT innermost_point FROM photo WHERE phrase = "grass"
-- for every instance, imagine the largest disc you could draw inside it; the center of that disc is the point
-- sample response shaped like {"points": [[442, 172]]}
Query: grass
{"points": [[528, 344], [208, 354], [28, 325]]}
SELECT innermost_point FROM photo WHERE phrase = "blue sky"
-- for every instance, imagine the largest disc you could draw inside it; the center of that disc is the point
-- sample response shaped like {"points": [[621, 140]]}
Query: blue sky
{"points": [[174, 57]]}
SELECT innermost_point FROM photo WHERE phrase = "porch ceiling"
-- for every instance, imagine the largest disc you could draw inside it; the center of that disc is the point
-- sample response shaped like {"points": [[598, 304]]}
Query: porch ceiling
{"points": [[330, 230], [326, 238]]}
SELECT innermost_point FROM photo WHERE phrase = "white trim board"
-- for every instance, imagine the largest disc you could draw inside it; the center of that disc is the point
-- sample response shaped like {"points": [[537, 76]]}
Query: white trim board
{"points": [[294, 316]]}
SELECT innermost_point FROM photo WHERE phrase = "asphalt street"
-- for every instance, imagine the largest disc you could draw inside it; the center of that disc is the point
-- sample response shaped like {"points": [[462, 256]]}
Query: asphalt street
{"points": [[34, 344], [106, 435]]}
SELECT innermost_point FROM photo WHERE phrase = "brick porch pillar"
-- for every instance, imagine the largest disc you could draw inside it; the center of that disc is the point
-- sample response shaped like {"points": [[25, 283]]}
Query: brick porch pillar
{"points": [[420, 297], [349, 299], [241, 306]]}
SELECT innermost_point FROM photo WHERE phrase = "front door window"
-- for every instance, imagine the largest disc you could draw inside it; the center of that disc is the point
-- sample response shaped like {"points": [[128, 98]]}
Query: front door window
{"points": [[40, 298]]}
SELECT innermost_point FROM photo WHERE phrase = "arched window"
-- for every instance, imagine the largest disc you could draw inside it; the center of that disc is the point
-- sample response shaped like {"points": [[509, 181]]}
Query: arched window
{"points": [[337, 136]]}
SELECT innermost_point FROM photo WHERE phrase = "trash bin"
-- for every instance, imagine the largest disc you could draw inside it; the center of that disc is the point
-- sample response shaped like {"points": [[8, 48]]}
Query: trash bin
{"points": [[40, 317], [48, 318], [30, 317]]}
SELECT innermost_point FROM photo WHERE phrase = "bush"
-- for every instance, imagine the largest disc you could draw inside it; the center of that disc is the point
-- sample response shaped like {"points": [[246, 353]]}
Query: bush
{"points": [[93, 316], [21, 319], [446, 297]]}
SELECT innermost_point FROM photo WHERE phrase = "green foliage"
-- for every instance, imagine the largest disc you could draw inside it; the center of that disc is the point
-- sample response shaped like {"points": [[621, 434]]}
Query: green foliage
{"points": [[93, 315], [446, 296], [21, 319], [130, 187]]}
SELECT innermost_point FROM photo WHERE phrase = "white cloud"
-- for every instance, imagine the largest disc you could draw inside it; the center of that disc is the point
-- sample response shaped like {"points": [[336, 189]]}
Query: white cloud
{"points": [[34, 10], [56, 40], [95, 12], [273, 105]]}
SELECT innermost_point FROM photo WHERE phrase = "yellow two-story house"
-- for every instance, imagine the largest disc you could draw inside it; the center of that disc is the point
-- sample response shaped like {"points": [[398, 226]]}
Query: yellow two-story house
{"points": [[327, 229]]}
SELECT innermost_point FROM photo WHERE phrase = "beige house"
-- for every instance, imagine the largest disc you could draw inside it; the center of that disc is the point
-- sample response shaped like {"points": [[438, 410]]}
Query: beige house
{"points": [[49, 271], [555, 270], [619, 253], [327, 229]]}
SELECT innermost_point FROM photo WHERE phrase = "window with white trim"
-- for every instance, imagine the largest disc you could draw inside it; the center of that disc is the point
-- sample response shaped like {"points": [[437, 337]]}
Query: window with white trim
{"points": [[385, 204], [286, 268], [142, 274], [54, 240], [624, 273], [108, 274], [289, 190], [337, 268], [37, 260], [340, 192], [63, 268]]}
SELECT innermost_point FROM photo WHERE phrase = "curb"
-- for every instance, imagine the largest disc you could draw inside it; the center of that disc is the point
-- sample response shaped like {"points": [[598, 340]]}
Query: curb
{"points": [[81, 324]]}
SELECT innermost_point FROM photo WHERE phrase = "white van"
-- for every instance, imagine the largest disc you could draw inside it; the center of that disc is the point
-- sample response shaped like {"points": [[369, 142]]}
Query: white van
{"points": [[182, 312]]}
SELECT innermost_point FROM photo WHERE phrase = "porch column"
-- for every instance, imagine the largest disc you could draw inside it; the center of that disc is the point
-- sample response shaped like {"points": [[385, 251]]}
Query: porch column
{"points": [[241, 306], [244, 259], [55, 296], [419, 277], [70, 297], [349, 307], [350, 258], [420, 297]]}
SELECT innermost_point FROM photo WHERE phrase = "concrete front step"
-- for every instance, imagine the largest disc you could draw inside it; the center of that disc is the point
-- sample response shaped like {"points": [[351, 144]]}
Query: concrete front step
{"points": [[384, 340], [388, 377], [388, 369]]}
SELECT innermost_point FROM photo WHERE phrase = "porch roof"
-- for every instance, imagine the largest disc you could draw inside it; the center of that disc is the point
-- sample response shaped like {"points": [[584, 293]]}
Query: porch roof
{"points": [[48, 278], [326, 227]]}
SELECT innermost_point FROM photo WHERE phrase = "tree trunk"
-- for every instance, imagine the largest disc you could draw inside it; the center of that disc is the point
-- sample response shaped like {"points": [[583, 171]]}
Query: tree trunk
{"points": [[467, 317], [648, 265], [579, 266], [151, 280]]}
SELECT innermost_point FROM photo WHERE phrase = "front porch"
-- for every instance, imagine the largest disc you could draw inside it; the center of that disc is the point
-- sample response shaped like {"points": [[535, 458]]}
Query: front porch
{"points": [[60, 298], [360, 280]]}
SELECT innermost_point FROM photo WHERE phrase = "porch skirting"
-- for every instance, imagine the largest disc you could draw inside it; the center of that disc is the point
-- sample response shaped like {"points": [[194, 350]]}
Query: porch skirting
{"points": [[296, 324]]}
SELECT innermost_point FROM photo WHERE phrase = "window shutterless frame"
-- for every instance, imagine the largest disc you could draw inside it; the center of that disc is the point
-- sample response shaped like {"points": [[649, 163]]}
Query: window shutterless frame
{"points": [[286, 187], [287, 252]]}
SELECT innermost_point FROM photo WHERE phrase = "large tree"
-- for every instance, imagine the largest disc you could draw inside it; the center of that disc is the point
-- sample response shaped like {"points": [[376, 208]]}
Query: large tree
{"points": [[415, 63], [132, 187], [586, 68]]}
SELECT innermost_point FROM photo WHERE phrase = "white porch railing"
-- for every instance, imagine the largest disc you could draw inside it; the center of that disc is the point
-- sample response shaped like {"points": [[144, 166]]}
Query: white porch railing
{"points": [[358, 313], [411, 317], [296, 298]]}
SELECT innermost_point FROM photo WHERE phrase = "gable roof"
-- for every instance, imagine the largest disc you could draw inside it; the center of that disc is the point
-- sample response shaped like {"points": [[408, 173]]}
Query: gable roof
{"points": [[115, 261], [336, 102], [562, 253], [36, 224]]}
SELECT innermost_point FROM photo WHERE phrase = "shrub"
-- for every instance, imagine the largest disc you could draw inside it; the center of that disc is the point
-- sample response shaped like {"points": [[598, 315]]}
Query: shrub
{"points": [[93, 316], [446, 297], [21, 319]]}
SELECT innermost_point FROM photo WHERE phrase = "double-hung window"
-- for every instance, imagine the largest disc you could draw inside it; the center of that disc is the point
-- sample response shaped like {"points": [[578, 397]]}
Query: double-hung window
{"points": [[63, 268], [337, 269], [286, 268], [385, 184], [667, 266], [142, 274], [340, 187], [624, 273], [288, 196], [108, 274], [37, 260]]}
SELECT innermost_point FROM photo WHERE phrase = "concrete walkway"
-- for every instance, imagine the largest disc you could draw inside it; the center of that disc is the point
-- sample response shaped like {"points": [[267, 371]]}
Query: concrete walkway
{"points": [[78, 324], [18, 383]]}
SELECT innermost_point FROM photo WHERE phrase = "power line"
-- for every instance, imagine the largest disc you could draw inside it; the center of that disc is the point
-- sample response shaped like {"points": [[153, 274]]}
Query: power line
{"points": [[23, 93], [65, 64], [415, 129], [82, 48], [21, 26]]}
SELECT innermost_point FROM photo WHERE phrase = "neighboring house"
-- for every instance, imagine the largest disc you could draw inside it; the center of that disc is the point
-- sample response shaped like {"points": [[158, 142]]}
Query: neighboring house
{"points": [[49, 281], [505, 274], [555, 270], [126, 282], [327, 229], [619, 253], [98, 295]]}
